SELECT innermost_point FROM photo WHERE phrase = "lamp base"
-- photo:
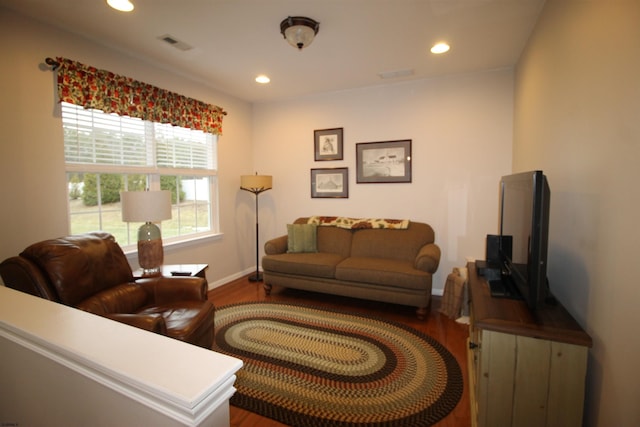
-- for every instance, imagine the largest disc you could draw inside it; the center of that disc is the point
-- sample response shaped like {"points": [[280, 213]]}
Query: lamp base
{"points": [[150, 252], [255, 277]]}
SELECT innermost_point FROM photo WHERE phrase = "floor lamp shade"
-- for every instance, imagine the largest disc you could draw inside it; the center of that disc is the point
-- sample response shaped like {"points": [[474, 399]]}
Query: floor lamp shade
{"points": [[256, 184], [147, 207]]}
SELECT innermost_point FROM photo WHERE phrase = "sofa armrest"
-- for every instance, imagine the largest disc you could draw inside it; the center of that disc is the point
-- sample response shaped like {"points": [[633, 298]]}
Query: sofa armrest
{"points": [[428, 258], [277, 245], [148, 322], [175, 288]]}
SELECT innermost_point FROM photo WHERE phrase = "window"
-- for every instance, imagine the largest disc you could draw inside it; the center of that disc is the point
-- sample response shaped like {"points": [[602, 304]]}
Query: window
{"points": [[108, 153]]}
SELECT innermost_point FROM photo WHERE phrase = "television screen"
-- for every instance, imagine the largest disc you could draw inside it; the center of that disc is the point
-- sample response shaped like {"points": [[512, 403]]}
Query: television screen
{"points": [[524, 223]]}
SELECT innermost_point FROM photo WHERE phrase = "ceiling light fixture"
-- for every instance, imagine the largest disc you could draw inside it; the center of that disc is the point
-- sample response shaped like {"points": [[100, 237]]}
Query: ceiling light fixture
{"points": [[299, 31], [439, 48], [263, 79], [121, 5]]}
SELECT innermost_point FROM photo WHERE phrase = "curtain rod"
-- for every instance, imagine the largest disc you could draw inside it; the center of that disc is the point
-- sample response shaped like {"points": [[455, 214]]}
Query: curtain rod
{"points": [[52, 63]]}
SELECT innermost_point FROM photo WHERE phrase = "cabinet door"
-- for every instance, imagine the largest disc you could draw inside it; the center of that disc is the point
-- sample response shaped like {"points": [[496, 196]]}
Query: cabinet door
{"points": [[495, 379], [531, 385], [566, 384], [529, 382]]}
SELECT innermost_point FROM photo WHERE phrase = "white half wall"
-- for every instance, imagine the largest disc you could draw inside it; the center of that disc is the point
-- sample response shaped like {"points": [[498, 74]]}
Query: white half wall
{"points": [[63, 366]]}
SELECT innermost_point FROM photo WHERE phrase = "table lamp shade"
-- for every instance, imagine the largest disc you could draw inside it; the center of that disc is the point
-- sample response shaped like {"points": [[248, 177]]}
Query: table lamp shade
{"points": [[145, 206], [255, 183]]}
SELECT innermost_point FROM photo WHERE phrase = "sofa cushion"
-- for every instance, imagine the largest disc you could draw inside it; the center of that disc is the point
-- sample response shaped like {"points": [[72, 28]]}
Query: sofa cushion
{"points": [[334, 240], [382, 271], [301, 238], [317, 264], [393, 244]]}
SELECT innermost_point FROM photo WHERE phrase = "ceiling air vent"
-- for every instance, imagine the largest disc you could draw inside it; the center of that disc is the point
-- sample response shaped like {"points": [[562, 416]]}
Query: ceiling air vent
{"points": [[396, 74], [169, 39]]}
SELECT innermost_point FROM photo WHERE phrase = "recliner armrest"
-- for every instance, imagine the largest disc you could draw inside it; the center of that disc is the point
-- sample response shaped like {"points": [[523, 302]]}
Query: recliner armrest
{"points": [[428, 258], [148, 322], [176, 288], [23, 275]]}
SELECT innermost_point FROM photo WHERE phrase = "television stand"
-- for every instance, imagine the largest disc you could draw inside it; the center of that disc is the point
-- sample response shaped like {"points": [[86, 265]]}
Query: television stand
{"points": [[526, 368]]}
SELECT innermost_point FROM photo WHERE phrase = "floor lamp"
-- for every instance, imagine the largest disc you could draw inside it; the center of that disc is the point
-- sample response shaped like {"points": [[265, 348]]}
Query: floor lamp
{"points": [[256, 184]]}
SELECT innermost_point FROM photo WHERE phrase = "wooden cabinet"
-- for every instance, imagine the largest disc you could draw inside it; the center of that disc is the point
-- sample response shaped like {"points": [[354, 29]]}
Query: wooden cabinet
{"points": [[525, 368]]}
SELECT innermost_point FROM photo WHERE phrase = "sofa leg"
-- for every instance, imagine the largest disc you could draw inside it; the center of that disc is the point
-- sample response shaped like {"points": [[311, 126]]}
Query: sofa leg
{"points": [[267, 288], [422, 313]]}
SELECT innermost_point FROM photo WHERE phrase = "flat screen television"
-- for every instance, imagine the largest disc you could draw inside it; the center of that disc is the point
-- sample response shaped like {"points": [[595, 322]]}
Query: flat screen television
{"points": [[524, 235]]}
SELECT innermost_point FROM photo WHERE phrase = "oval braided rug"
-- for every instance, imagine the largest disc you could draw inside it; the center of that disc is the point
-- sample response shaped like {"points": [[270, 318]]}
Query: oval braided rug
{"points": [[306, 366]]}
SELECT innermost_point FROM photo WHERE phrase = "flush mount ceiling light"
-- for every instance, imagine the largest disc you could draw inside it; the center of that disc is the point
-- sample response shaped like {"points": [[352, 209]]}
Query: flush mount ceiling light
{"points": [[439, 48], [121, 5], [262, 79], [299, 30]]}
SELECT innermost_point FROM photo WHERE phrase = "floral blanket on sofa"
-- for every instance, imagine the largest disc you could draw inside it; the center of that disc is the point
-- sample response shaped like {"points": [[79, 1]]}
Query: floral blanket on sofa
{"points": [[358, 223]]}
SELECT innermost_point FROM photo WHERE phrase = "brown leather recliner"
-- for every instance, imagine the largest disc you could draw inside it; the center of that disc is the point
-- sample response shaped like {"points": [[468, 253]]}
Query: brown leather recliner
{"points": [[90, 272]]}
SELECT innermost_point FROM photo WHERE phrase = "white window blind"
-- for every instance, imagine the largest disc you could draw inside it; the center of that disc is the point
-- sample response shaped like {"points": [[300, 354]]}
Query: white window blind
{"points": [[183, 148], [93, 137]]}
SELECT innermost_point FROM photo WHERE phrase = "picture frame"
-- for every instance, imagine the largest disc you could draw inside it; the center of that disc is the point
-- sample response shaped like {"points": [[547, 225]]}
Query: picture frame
{"points": [[330, 183], [383, 162], [327, 144]]}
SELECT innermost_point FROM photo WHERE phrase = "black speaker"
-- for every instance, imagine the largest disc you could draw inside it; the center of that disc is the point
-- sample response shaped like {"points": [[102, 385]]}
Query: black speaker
{"points": [[492, 253], [493, 247]]}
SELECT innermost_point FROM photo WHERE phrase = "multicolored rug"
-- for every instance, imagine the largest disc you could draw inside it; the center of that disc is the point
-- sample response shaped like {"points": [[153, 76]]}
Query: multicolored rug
{"points": [[307, 367]]}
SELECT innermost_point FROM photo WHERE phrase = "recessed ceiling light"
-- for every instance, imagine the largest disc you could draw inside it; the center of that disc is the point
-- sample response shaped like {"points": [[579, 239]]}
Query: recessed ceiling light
{"points": [[440, 48], [121, 5], [263, 79]]}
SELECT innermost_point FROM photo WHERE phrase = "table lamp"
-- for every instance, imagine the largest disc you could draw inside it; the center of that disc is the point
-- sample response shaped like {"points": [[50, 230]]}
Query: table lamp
{"points": [[256, 184], [147, 207]]}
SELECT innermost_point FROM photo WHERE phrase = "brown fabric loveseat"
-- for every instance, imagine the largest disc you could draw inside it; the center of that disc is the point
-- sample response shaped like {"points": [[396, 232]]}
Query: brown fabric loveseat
{"points": [[90, 272], [388, 265]]}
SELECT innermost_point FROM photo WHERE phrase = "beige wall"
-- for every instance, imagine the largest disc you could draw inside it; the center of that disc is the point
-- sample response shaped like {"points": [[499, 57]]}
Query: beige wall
{"points": [[461, 132], [577, 116], [460, 126], [32, 178]]}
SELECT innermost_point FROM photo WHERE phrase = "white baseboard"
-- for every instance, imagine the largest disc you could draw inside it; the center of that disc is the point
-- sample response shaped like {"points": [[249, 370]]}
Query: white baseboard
{"points": [[227, 279]]}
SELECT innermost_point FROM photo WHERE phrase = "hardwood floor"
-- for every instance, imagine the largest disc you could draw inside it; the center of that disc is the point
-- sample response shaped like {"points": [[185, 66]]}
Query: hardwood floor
{"points": [[448, 332]]}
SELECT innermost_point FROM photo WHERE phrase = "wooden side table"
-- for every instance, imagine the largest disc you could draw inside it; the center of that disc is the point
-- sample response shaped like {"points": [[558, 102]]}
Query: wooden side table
{"points": [[193, 270]]}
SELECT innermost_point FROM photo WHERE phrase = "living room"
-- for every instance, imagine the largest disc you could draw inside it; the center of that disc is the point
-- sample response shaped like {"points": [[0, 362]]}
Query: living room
{"points": [[569, 106]]}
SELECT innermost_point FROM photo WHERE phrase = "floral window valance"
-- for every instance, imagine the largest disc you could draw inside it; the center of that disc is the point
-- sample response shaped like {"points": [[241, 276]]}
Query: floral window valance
{"points": [[103, 90]]}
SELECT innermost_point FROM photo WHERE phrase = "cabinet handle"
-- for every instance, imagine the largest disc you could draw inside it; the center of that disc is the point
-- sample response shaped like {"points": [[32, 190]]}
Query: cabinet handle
{"points": [[472, 345]]}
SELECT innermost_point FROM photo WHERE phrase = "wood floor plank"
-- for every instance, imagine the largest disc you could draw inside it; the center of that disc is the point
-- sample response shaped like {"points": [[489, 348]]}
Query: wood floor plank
{"points": [[451, 334]]}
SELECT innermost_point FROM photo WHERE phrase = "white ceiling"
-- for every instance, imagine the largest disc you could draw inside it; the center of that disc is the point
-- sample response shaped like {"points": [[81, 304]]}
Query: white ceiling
{"points": [[235, 40]]}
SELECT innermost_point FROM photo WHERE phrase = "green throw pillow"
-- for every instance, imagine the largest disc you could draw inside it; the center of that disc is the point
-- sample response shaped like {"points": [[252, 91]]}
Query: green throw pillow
{"points": [[301, 238]]}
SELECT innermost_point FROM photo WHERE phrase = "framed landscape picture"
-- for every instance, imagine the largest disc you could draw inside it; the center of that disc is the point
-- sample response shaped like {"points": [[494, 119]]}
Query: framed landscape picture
{"points": [[387, 161], [330, 183], [328, 144]]}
